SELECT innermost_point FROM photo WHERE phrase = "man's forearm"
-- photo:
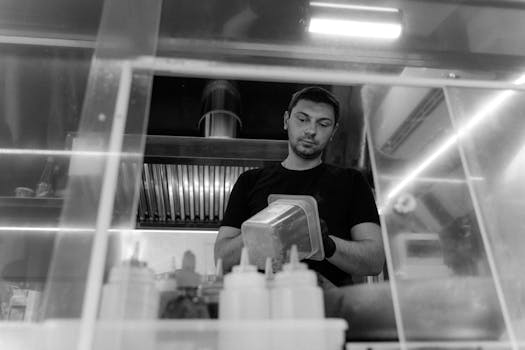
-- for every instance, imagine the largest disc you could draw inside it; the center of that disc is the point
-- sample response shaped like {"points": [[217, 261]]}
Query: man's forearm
{"points": [[229, 250], [365, 257]]}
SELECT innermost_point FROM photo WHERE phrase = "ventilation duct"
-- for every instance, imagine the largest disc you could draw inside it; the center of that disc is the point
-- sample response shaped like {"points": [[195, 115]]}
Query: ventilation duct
{"points": [[221, 103]]}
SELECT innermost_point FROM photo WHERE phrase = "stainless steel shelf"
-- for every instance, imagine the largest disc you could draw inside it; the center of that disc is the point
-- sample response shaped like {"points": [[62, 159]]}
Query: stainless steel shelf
{"points": [[214, 151], [18, 210]]}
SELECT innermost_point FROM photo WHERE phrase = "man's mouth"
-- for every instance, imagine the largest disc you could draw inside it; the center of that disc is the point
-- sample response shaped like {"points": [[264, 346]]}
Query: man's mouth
{"points": [[307, 142]]}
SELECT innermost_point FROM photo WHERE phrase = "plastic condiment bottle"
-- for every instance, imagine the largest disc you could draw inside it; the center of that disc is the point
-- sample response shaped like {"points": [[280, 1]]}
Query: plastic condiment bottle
{"points": [[295, 293], [167, 288], [211, 289], [186, 276], [130, 292], [244, 295]]}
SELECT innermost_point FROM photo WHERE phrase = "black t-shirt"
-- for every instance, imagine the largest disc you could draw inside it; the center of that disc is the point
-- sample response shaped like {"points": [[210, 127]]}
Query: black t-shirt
{"points": [[343, 196]]}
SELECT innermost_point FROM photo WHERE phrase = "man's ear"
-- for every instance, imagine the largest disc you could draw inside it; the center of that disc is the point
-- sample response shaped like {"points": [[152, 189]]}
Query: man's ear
{"points": [[286, 116], [333, 131]]}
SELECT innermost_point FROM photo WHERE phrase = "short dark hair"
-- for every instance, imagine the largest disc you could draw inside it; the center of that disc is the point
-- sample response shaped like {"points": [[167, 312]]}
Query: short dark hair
{"points": [[315, 94]]}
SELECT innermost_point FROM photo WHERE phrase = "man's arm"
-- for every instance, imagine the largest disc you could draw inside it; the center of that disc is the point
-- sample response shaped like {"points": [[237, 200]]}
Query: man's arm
{"points": [[228, 246], [364, 255]]}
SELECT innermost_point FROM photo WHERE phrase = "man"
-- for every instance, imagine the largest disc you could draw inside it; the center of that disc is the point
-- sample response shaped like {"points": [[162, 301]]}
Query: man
{"points": [[351, 232]]}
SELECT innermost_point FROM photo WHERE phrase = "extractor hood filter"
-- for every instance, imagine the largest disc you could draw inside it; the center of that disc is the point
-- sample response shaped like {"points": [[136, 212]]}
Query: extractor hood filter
{"points": [[185, 195]]}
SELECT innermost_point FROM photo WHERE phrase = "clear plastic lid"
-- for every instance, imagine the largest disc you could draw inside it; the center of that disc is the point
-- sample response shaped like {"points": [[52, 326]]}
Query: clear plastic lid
{"points": [[287, 220]]}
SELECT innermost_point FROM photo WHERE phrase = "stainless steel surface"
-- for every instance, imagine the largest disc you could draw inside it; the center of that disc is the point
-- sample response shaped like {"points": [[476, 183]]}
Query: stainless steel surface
{"points": [[179, 180], [191, 193]]}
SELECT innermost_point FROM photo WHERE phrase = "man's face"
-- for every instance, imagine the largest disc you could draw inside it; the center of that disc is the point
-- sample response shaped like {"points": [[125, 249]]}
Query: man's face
{"points": [[310, 126]]}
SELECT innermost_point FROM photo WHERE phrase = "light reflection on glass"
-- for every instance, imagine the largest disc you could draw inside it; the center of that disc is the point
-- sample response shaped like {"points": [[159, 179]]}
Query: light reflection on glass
{"points": [[485, 111]]}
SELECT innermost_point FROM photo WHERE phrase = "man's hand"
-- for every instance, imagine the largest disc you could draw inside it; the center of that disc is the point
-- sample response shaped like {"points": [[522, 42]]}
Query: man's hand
{"points": [[363, 255], [328, 242], [228, 247]]}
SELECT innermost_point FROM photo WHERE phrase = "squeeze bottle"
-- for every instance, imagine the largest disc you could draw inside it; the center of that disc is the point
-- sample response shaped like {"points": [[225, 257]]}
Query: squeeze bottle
{"points": [[244, 295], [295, 293], [130, 292]]}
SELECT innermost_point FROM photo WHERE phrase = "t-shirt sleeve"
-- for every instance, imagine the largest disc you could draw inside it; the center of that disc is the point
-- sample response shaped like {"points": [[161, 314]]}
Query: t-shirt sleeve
{"points": [[363, 206], [237, 209]]}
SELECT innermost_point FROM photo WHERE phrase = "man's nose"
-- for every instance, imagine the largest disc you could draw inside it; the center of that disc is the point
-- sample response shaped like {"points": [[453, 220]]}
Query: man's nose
{"points": [[311, 129]]}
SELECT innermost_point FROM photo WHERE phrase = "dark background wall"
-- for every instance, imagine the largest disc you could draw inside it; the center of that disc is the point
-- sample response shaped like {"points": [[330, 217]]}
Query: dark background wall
{"points": [[176, 108]]}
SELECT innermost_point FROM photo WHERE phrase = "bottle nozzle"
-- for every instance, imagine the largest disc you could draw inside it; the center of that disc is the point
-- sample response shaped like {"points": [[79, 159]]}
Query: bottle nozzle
{"points": [[294, 263], [294, 256], [244, 266], [244, 257], [134, 260], [268, 269], [218, 268]]}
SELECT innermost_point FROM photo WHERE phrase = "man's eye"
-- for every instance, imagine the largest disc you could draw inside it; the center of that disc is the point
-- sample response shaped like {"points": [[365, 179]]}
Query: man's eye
{"points": [[325, 124], [301, 118]]}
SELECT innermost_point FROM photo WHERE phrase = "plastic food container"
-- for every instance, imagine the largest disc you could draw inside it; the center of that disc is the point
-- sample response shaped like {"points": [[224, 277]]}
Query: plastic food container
{"points": [[287, 220]]}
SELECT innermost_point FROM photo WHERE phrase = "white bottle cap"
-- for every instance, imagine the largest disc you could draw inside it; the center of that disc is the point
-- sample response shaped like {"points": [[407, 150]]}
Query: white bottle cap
{"points": [[244, 275]]}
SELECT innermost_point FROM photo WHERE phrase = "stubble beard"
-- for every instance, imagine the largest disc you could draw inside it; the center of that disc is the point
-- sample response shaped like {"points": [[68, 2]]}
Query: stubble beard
{"points": [[304, 155]]}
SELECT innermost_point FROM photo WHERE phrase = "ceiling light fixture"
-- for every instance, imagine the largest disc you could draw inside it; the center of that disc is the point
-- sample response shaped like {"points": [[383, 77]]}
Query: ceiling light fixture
{"points": [[356, 21], [355, 29]]}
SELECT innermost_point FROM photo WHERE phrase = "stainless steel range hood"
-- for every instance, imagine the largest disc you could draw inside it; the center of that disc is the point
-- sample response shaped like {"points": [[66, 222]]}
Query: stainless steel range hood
{"points": [[185, 193], [186, 181]]}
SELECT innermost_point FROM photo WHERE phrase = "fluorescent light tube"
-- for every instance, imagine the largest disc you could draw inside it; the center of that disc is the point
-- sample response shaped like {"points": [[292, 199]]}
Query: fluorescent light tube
{"points": [[358, 29]]}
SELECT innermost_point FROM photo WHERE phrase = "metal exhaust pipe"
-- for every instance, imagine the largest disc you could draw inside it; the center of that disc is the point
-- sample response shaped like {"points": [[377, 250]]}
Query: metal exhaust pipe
{"points": [[221, 103]]}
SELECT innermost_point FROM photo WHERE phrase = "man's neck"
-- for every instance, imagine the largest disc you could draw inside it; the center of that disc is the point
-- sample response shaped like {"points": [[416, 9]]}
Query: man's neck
{"points": [[293, 162]]}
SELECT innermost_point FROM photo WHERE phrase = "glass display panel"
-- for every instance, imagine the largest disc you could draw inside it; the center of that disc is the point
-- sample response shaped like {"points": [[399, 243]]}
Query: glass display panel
{"points": [[54, 19], [71, 166], [72, 192], [443, 284], [493, 151], [41, 96], [106, 166]]}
